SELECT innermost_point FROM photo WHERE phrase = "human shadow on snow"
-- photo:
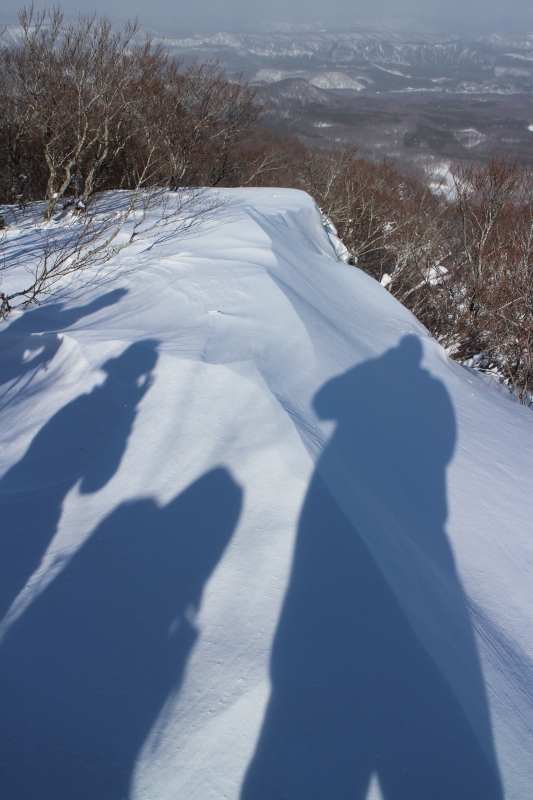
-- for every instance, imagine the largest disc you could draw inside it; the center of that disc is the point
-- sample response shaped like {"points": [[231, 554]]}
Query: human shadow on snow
{"points": [[84, 441], [354, 692], [31, 341], [87, 669]]}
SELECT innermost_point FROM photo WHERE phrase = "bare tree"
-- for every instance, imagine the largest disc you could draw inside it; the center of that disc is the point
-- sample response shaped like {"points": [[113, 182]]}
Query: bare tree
{"points": [[86, 92], [386, 220], [492, 265], [83, 244], [99, 109], [203, 120], [69, 83]]}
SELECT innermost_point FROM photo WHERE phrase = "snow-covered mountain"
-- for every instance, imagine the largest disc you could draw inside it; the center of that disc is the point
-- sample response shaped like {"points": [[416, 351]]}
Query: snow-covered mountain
{"points": [[382, 46], [404, 96], [495, 62], [261, 537]]}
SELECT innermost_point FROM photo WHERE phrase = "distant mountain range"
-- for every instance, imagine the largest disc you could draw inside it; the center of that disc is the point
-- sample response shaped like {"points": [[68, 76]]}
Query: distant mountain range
{"points": [[423, 100], [372, 61]]}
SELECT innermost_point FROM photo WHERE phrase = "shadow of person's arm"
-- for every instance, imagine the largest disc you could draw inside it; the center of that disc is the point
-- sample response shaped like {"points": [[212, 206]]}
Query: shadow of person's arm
{"points": [[31, 341], [57, 317]]}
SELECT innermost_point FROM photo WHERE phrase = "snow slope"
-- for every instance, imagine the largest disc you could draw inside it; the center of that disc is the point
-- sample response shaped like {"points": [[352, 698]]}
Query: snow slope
{"points": [[260, 537]]}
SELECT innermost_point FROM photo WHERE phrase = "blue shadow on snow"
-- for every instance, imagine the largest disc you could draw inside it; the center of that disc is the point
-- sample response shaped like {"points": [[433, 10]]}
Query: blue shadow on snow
{"points": [[88, 668], [84, 441], [31, 341], [354, 692]]}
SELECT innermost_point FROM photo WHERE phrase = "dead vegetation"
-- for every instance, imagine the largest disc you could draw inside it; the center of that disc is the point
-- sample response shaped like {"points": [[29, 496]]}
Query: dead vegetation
{"points": [[462, 262]]}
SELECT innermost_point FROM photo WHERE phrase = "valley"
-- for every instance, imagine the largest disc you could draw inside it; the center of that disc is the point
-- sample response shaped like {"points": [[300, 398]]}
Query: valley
{"points": [[419, 99]]}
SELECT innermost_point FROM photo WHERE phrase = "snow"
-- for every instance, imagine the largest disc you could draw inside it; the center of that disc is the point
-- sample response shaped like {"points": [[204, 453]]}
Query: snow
{"points": [[469, 137], [337, 80], [339, 248], [261, 537], [322, 80]]}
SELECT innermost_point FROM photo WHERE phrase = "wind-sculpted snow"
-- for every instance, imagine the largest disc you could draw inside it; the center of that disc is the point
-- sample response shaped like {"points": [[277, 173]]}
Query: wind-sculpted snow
{"points": [[261, 538]]}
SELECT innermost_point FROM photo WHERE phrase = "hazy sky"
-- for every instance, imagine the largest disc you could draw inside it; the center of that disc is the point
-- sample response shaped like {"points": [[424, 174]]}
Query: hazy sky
{"points": [[457, 16]]}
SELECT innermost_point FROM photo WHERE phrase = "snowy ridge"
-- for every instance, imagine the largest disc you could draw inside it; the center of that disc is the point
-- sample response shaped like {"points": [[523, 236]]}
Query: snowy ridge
{"points": [[371, 46], [325, 80], [261, 536]]}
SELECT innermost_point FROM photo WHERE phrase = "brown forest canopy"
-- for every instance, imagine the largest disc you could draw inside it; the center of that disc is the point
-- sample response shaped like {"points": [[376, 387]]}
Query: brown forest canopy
{"points": [[83, 108]]}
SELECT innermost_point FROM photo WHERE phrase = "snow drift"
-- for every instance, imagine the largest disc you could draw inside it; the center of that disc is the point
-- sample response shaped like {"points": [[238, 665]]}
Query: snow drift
{"points": [[260, 537]]}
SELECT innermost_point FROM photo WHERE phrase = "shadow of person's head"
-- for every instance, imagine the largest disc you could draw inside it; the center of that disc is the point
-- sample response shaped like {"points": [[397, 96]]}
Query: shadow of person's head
{"points": [[137, 361], [395, 435], [409, 351], [380, 388]]}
